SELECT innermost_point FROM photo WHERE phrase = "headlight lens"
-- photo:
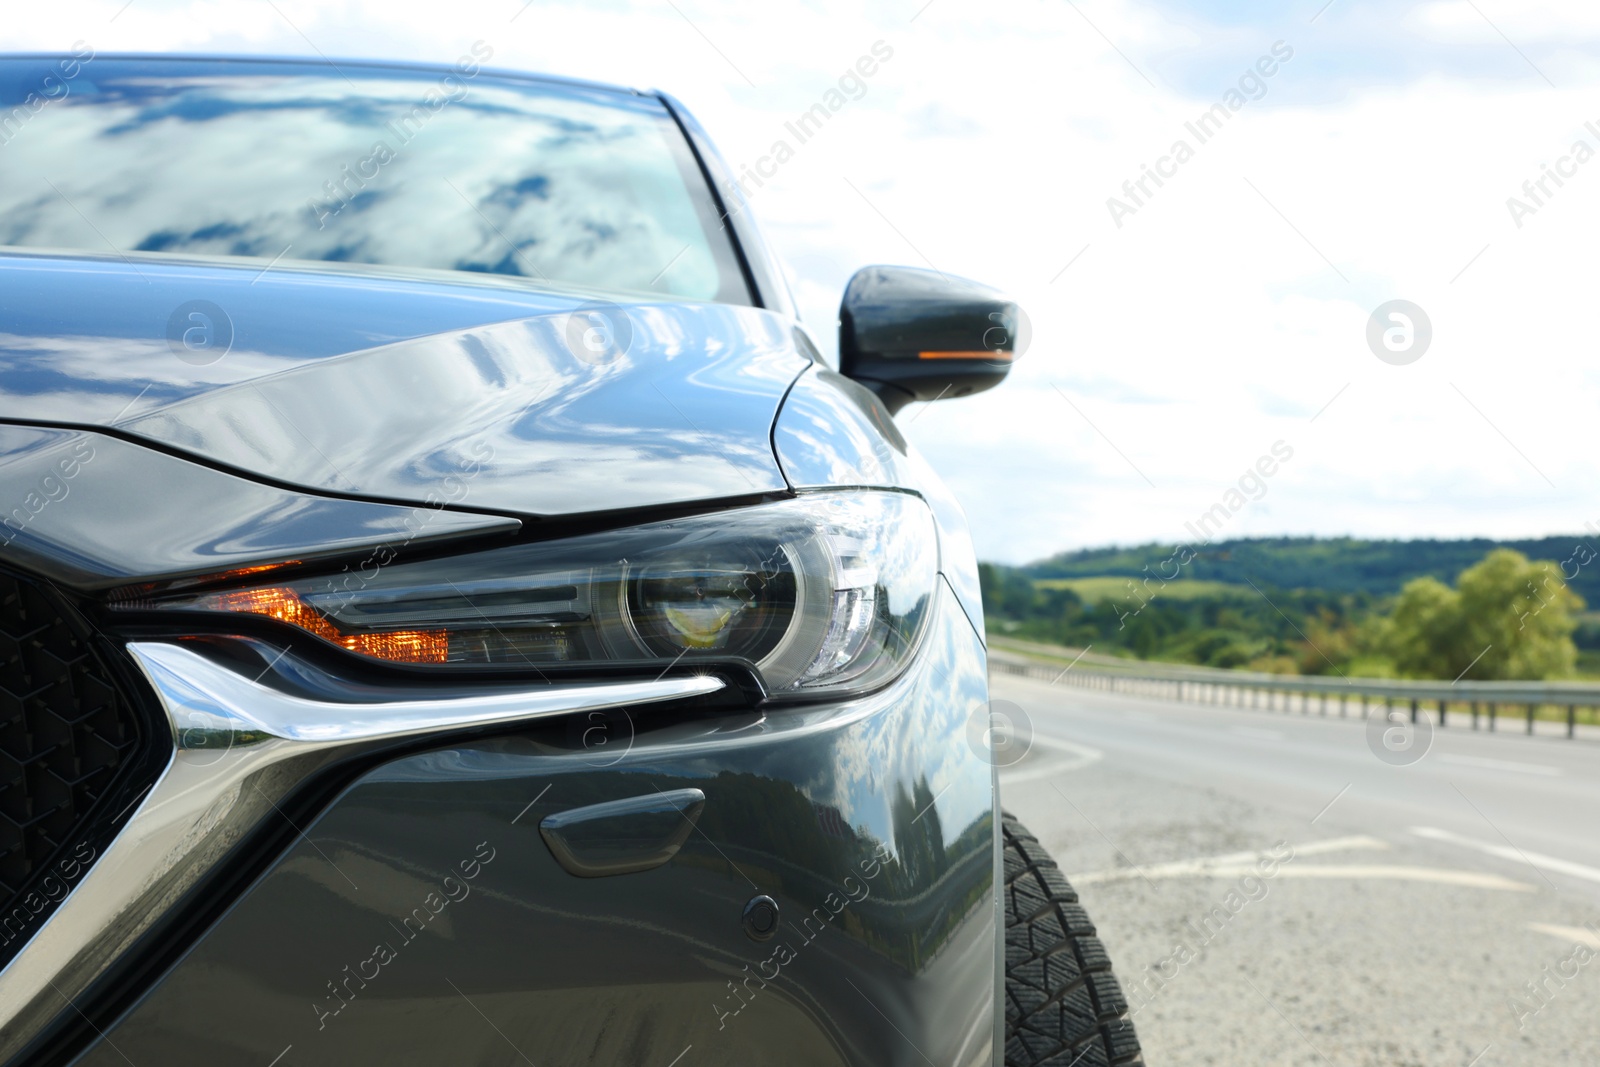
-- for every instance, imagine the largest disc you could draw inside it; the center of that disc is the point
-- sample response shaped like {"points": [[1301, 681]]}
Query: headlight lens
{"points": [[829, 590]]}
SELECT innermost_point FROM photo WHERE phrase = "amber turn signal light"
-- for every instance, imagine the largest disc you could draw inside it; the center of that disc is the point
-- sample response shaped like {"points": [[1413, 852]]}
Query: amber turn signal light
{"points": [[285, 605]]}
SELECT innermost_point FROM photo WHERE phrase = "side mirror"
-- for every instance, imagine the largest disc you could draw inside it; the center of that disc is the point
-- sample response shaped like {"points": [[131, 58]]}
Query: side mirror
{"points": [[910, 334]]}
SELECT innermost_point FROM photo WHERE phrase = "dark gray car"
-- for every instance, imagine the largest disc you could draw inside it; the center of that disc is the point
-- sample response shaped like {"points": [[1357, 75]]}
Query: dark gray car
{"points": [[450, 613]]}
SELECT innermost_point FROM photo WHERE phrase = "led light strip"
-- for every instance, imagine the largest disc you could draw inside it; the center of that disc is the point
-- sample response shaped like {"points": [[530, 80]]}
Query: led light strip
{"points": [[228, 733]]}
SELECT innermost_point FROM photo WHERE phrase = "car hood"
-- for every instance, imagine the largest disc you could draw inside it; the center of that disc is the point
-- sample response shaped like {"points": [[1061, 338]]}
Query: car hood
{"points": [[480, 395]]}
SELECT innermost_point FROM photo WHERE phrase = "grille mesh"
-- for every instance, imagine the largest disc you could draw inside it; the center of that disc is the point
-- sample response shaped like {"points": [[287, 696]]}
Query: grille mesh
{"points": [[65, 731]]}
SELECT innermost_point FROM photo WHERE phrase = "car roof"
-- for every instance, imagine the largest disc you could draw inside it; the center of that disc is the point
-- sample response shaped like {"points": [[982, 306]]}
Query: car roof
{"points": [[335, 64]]}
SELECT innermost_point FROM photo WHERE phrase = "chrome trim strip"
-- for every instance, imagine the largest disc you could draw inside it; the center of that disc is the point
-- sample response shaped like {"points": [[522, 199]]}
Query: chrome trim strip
{"points": [[239, 748]]}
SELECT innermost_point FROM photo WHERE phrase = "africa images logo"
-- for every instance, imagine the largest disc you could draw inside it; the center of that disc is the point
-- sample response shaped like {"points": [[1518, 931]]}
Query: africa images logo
{"points": [[1396, 739], [1399, 332]]}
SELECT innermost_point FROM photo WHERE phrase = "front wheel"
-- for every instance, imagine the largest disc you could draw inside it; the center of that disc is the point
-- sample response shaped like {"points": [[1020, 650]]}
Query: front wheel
{"points": [[1063, 1004]]}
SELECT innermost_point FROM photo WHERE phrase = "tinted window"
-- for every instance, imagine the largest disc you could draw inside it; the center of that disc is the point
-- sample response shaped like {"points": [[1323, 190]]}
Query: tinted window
{"points": [[434, 169]]}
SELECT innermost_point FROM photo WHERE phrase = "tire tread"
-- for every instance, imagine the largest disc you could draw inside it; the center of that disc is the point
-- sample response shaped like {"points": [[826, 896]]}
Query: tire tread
{"points": [[1064, 1007]]}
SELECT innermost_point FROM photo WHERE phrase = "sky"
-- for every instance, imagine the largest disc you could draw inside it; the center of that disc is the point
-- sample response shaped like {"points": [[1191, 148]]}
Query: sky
{"points": [[1185, 335]]}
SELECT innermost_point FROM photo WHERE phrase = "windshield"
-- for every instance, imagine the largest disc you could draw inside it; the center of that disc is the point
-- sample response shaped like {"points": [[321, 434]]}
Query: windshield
{"points": [[448, 169]]}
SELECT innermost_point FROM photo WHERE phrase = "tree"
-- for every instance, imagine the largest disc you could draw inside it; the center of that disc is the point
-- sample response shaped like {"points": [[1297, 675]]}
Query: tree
{"points": [[1520, 616], [1425, 632], [1507, 618], [1007, 592]]}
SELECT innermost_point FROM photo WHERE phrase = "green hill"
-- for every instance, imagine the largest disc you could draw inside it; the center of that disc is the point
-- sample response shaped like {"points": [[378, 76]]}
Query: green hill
{"points": [[1305, 604], [1339, 565]]}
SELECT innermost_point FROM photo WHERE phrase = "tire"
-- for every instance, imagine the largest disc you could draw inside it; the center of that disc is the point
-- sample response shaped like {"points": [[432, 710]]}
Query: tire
{"points": [[1064, 1007]]}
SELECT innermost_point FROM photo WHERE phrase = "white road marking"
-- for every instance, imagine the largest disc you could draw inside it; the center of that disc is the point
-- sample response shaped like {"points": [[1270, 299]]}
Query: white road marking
{"points": [[1537, 859], [1500, 764], [1359, 872], [1341, 844], [1469, 879], [1576, 935], [1244, 864], [1242, 861], [1064, 756]]}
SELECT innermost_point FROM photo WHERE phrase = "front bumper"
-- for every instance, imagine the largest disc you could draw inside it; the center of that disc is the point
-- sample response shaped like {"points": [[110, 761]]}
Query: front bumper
{"points": [[422, 919]]}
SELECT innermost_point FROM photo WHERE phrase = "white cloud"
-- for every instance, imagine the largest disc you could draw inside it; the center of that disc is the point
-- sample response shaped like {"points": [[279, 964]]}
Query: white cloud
{"points": [[1203, 330]]}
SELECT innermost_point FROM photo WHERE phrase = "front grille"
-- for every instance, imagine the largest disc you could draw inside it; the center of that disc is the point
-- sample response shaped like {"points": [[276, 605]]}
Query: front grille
{"points": [[65, 733]]}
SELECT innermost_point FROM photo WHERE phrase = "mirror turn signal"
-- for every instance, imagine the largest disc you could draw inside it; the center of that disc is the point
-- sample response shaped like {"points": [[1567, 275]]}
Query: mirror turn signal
{"points": [[910, 334]]}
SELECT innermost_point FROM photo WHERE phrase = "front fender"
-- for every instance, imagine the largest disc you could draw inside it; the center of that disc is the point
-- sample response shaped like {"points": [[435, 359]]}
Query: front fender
{"points": [[834, 433], [421, 919]]}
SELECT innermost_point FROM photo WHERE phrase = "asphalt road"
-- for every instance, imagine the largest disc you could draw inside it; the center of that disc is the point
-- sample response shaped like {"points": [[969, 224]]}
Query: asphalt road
{"points": [[1444, 911]]}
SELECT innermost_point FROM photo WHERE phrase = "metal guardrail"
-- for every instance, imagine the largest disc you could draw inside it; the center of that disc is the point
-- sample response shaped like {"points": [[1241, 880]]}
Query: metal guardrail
{"points": [[1250, 689]]}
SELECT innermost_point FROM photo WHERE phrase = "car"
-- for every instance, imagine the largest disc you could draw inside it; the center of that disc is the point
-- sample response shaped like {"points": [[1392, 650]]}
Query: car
{"points": [[451, 611]]}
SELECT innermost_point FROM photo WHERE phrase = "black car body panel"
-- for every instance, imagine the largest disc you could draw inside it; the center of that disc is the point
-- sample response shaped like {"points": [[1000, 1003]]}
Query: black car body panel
{"points": [[306, 398], [399, 904], [424, 896], [83, 517]]}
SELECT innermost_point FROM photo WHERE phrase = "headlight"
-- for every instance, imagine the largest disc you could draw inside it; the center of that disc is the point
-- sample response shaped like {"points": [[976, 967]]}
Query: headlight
{"points": [[827, 590]]}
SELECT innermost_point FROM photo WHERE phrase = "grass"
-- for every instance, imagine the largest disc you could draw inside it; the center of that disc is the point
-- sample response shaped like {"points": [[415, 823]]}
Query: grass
{"points": [[1121, 588]]}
